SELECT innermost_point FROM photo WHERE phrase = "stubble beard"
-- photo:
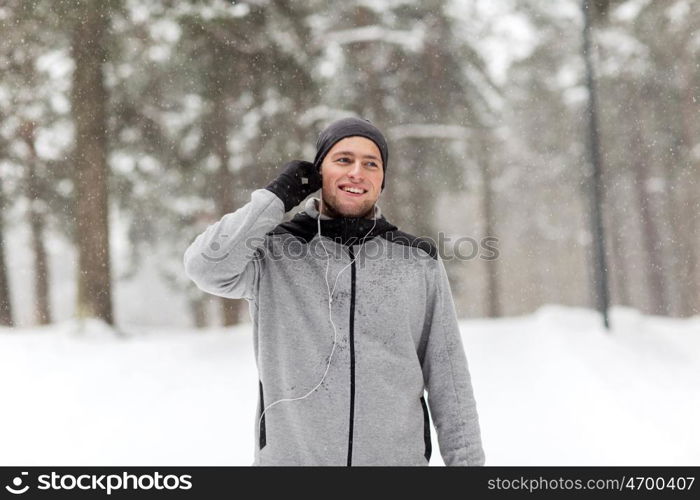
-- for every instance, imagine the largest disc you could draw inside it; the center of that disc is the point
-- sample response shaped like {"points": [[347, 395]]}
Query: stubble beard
{"points": [[330, 209]]}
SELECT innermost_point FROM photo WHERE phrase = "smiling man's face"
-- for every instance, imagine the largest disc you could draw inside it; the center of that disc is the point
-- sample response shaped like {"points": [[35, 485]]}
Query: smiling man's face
{"points": [[353, 163]]}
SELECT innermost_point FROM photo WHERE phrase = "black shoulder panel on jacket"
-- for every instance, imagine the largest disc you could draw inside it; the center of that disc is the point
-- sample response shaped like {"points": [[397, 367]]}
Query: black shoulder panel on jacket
{"points": [[302, 232], [402, 238]]}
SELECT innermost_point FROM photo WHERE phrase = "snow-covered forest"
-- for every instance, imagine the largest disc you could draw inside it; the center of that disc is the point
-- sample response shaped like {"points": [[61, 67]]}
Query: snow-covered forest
{"points": [[127, 127], [566, 135]]}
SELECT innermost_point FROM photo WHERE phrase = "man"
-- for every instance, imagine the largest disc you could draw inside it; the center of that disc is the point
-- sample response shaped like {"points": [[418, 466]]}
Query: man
{"points": [[349, 327]]}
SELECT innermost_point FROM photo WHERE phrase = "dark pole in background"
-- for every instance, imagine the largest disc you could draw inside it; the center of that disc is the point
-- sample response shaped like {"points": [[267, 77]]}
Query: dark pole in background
{"points": [[600, 274]]}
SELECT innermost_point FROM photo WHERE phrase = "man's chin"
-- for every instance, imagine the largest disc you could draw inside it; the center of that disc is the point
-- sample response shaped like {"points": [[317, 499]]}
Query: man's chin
{"points": [[352, 211]]}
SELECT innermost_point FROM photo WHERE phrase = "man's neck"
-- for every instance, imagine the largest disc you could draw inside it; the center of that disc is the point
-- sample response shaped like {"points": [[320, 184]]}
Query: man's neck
{"points": [[330, 212]]}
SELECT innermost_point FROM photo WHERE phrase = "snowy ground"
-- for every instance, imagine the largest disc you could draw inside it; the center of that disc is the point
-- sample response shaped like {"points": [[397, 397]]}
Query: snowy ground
{"points": [[552, 389]]}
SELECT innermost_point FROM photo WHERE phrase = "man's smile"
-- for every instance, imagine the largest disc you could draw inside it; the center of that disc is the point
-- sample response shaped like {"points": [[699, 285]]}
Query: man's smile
{"points": [[352, 191]]}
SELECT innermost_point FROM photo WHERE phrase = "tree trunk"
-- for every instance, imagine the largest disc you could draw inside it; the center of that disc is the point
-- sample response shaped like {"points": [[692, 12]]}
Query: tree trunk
{"points": [[650, 232], [492, 292], [5, 302], [199, 311], [596, 188], [617, 249], [89, 101], [224, 187], [42, 311], [686, 197]]}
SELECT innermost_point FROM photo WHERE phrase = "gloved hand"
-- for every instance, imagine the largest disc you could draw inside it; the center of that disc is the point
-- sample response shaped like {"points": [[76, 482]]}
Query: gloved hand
{"points": [[297, 180]]}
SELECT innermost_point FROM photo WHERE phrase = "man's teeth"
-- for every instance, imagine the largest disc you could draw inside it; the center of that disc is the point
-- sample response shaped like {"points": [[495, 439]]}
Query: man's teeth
{"points": [[353, 190]]}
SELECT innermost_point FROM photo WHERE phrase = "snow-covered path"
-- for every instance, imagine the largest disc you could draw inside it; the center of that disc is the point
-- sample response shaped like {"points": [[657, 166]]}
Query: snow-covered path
{"points": [[552, 389]]}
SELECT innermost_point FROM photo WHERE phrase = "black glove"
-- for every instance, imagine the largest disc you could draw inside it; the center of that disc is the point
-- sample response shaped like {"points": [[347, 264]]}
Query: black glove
{"points": [[297, 181]]}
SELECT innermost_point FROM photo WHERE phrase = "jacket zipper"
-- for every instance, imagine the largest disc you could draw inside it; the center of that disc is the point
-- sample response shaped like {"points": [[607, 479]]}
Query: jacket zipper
{"points": [[263, 438], [426, 429], [352, 354]]}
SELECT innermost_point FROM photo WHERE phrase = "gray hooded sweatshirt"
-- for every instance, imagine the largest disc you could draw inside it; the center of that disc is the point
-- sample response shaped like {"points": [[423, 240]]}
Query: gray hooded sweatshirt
{"points": [[396, 336]]}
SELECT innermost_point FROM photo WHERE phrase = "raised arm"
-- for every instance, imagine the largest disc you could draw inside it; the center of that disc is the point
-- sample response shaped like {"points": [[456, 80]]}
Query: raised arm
{"points": [[224, 259]]}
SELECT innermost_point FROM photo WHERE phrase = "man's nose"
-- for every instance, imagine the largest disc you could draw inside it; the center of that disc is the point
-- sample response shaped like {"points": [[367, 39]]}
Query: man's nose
{"points": [[356, 170]]}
